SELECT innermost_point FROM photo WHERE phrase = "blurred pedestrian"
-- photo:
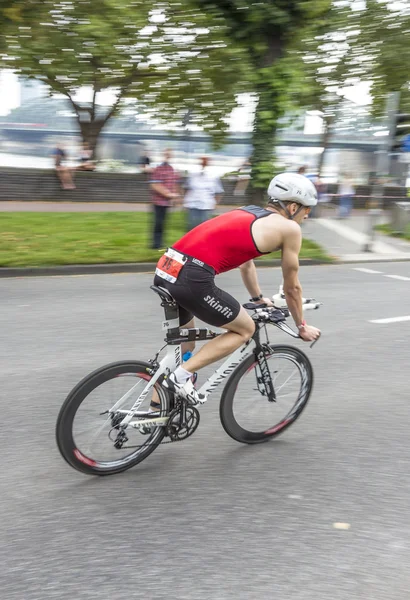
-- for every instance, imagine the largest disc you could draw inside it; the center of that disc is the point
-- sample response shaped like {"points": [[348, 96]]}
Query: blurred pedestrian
{"points": [[346, 192], [86, 158], [164, 186], [203, 192], [144, 161], [317, 183], [63, 171], [321, 194]]}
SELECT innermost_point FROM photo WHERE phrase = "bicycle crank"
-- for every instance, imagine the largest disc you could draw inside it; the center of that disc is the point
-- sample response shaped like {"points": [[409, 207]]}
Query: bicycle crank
{"points": [[182, 422]]}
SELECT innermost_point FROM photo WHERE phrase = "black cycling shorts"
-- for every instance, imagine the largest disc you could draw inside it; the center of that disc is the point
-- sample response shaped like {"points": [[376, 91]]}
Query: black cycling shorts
{"points": [[198, 296]]}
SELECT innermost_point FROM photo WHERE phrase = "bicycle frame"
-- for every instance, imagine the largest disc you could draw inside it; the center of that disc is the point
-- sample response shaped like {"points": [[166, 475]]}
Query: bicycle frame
{"points": [[168, 364]]}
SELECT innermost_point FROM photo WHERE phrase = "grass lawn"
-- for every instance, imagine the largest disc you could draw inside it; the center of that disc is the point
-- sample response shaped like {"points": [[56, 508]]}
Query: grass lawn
{"points": [[44, 239], [389, 231]]}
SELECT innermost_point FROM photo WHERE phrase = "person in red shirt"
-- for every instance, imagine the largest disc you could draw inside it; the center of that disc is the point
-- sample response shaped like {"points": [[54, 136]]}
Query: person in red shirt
{"points": [[164, 186], [232, 240]]}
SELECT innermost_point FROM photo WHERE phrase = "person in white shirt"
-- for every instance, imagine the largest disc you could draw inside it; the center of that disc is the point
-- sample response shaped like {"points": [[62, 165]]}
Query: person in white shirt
{"points": [[346, 192], [203, 192]]}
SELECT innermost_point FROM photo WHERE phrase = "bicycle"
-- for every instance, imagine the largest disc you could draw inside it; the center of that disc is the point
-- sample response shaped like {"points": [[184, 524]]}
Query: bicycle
{"points": [[119, 417]]}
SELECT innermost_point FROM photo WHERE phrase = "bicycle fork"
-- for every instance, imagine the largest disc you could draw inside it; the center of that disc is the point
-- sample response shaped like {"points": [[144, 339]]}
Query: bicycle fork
{"points": [[263, 376]]}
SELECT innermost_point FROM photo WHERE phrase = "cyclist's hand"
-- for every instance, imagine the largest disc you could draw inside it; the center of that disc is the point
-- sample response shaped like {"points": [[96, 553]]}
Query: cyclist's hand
{"points": [[309, 333], [265, 301]]}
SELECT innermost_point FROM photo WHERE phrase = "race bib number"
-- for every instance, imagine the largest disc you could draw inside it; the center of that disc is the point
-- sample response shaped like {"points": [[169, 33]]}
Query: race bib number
{"points": [[170, 264]]}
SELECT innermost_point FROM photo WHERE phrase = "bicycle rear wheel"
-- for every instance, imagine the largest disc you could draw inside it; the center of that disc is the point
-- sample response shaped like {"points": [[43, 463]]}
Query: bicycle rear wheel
{"points": [[86, 434], [247, 415]]}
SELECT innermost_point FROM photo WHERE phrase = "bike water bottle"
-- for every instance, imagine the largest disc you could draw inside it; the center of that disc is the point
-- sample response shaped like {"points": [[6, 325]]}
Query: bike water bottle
{"points": [[186, 357]]}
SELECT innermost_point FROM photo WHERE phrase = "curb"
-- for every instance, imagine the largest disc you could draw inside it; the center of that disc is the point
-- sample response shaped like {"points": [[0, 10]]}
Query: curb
{"points": [[103, 269], [150, 267]]}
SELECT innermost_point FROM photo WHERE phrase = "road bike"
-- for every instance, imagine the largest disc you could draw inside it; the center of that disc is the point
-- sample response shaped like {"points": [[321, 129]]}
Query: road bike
{"points": [[105, 425]]}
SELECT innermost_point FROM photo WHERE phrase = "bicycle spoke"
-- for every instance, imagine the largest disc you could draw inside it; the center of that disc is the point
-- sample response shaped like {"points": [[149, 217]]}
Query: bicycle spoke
{"points": [[256, 416], [94, 434], [249, 415]]}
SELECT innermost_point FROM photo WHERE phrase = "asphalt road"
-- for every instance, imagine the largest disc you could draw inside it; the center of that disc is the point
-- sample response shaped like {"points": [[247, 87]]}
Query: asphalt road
{"points": [[209, 518]]}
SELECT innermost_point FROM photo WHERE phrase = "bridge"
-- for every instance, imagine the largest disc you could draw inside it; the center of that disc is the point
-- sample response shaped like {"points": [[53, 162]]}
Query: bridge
{"points": [[38, 134]]}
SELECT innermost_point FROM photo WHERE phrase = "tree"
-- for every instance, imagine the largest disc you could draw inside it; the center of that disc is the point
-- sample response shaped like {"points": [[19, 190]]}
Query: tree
{"points": [[17, 13], [323, 71], [381, 50], [268, 30], [168, 55]]}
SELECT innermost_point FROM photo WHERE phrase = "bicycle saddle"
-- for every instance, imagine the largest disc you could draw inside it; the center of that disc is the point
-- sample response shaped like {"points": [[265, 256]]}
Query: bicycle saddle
{"points": [[164, 294]]}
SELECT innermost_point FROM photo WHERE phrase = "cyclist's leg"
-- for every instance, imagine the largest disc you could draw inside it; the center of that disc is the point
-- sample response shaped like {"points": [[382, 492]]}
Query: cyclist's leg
{"points": [[240, 330], [197, 293], [186, 321], [205, 300]]}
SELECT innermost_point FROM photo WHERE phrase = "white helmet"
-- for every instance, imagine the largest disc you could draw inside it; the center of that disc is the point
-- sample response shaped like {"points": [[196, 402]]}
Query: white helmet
{"points": [[292, 187]]}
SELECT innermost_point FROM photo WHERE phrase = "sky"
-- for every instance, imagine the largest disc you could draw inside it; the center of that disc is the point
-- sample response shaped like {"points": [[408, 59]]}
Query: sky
{"points": [[241, 118]]}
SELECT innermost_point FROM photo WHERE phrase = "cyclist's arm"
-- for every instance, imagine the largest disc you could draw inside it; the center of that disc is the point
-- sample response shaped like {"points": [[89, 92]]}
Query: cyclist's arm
{"points": [[290, 269], [250, 278]]}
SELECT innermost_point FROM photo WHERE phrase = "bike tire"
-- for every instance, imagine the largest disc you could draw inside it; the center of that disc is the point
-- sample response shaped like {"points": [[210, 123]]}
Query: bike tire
{"points": [[226, 412], [64, 426]]}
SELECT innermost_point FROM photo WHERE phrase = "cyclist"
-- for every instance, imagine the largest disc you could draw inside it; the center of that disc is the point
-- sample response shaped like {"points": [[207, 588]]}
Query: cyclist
{"points": [[226, 242]]}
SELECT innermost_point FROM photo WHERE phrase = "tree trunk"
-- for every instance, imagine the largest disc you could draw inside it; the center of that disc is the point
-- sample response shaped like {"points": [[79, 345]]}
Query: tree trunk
{"points": [[267, 113], [327, 126], [90, 131]]}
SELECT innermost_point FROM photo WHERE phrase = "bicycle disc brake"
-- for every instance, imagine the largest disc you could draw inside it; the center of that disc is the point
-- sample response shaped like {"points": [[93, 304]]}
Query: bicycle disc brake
{"points": [[182, 422]]}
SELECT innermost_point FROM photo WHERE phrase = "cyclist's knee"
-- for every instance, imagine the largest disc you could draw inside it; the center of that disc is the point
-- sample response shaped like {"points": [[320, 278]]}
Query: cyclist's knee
{"points": [[245, 328], [248, 331]]}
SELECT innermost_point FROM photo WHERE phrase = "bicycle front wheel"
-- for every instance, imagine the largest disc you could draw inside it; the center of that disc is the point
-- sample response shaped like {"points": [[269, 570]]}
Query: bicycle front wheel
{"points": [[87, 429], [245, 411]]}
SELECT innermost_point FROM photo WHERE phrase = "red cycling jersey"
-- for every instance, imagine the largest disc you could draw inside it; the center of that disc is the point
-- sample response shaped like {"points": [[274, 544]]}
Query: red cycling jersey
{"points": [[225, 242]]}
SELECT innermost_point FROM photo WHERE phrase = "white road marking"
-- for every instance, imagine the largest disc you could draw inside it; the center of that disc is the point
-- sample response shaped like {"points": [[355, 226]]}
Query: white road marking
{"points": [[344, 526], [400, 277], [391, 320], [366, 270]]}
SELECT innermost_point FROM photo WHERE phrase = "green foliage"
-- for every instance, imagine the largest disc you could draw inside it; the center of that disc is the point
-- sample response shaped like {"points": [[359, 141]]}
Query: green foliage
{"points": [[388, 230], [379, 49], [170, 56], [268, 31]]}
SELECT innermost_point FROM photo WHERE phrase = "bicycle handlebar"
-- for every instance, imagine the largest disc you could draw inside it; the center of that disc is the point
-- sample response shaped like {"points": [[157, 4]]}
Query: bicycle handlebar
{"points": [[277, 316]]}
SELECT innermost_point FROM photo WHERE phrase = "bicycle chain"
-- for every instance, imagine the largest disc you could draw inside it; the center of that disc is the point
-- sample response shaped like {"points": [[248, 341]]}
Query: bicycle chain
{"points": [[160, 444], [142, 445]]}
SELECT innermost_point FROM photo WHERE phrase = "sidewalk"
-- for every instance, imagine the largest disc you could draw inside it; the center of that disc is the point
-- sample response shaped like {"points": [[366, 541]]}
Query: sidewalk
{"points": [[346, 239]]}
